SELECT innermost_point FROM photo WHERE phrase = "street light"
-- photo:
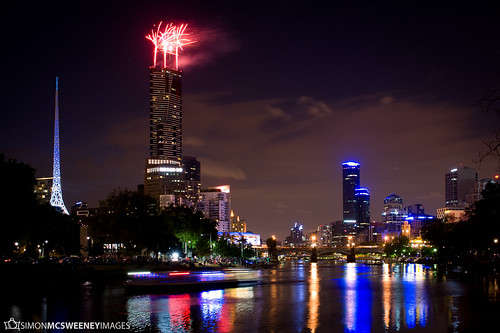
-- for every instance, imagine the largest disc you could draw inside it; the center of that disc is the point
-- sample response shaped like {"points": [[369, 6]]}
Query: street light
{"points": [[210, 243]]}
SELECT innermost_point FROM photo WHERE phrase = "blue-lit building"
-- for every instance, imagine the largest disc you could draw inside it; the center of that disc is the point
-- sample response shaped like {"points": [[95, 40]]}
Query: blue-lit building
{"points": [[417, 221], [356, 199], [362, 196], [350, 182]]}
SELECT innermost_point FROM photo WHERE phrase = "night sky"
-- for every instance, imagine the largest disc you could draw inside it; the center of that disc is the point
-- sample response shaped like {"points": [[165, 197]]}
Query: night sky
{"points": [[277, 94]]}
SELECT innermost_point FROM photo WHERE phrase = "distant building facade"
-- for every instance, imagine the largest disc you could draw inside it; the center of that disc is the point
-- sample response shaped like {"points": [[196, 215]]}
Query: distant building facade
{"points": [[237, 224], [475, 194], [296, 238], [324, 235], [451, 214], [215, 203], [393, 214], [43, 190], [249, 237], [414, 209], [458, 184]]}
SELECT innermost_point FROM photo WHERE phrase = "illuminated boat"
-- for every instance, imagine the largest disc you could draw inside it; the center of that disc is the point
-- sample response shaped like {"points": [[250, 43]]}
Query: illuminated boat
{"points": [[189, 281]]}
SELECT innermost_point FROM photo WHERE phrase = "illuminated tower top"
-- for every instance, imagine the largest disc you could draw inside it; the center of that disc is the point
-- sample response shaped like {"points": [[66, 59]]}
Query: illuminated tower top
{"points": [[169, 41]]}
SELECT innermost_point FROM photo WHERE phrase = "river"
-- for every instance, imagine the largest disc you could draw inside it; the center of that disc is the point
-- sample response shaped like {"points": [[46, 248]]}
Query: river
{"points": [[295, 297]]}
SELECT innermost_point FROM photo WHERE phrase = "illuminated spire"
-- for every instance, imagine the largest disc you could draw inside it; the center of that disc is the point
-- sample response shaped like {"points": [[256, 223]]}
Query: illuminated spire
{"points": [[56, 199]]}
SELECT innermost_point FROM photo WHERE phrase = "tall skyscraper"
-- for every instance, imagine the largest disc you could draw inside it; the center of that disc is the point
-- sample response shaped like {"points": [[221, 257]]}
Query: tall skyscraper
{"points": [[56, 199], [164, 173], [192, 178], [350, 174], [362, 196], [459, 182], [296, 237]]}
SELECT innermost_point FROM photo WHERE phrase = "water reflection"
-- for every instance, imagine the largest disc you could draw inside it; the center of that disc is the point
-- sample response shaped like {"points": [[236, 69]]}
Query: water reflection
{"points": [[404, 301], [214, 310], [211, 303], [357, 298], [139, 312], [308, 298], [298, 297], [313, 303]]}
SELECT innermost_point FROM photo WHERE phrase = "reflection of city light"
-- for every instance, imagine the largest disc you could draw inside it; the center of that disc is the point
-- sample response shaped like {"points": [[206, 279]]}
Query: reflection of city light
{"points": [[179, 309], [350, 297], [313, 299], [241, 293], [212, 294], [139, 309], [387, 294]]}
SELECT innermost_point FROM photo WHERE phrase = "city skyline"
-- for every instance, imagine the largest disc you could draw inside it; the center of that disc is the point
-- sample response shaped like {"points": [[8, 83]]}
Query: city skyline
{"points": [[388, 85]]}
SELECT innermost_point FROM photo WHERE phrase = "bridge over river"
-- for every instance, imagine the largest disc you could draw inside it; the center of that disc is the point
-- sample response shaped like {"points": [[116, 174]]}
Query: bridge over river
{"points": [[368, 250]]}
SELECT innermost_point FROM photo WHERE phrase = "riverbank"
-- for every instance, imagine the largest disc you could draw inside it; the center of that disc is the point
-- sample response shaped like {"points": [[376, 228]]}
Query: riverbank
{"points": [[47, 275]]}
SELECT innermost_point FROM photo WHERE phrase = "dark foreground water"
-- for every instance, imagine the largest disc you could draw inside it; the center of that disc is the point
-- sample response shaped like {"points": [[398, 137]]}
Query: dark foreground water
{"points": [[297, 297]]}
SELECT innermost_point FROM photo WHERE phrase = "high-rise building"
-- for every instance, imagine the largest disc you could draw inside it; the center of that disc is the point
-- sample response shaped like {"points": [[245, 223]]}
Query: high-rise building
{"points": [[164, 174], [362, 196], [393, 215], [324, 235], [215, 203], [350, 176], [458, 184], [192, 179], [296, 238]]}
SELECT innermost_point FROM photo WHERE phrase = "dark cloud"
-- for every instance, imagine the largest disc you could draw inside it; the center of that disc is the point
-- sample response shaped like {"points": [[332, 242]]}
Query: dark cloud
{"points": [[405, 147]]}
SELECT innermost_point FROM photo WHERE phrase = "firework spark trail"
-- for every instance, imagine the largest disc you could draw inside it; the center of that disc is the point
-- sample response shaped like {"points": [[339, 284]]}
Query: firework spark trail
{"points": [[169, 41], [155, 38]]}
